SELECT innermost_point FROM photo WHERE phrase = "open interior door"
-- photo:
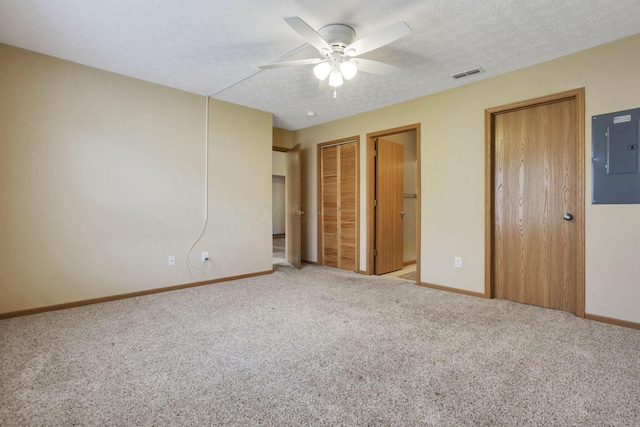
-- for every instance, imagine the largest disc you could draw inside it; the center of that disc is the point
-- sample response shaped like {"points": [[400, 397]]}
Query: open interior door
{"points": [[389, 202], [293, 217]]}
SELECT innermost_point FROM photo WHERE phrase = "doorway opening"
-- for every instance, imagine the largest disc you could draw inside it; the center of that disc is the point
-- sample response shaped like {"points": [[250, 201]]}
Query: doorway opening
{"points": [[393, 202], [286, 206], [278, 195], [534, 186]]}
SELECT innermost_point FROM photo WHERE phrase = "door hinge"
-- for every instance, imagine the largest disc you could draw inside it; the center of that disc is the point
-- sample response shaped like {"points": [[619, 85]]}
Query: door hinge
{"points": [[375, 153], [375, 252], [375, 203]]}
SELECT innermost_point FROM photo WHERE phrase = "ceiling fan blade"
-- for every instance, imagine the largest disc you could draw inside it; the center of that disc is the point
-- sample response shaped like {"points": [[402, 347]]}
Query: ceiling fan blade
{"points": [[294, 63], [308, 33], [376, 67], [378, 39]]}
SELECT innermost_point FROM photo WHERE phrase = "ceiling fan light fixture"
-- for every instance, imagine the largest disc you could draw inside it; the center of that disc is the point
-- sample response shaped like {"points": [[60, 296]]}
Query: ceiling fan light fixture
{"points": [[348, 70], [339, 48], [335, 78], [322, 70]]}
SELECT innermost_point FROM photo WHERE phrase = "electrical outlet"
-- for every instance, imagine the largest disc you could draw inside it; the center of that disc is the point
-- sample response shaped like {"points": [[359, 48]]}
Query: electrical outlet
{"points": [[172, 260], [457, 262], [205, 256]]}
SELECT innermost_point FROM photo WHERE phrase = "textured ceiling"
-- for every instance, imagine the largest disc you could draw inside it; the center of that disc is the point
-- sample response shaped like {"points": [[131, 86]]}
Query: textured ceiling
{"points": [[205, 46]]}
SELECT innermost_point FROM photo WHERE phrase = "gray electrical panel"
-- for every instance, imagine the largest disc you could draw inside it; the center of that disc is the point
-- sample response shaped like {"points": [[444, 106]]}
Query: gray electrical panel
{"points": [[615, 140]]}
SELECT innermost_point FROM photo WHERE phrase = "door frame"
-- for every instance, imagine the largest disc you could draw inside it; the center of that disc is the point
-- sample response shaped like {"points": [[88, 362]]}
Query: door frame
{"points": [[355, 140], [490, 113], [290, 249], [371, 137]]}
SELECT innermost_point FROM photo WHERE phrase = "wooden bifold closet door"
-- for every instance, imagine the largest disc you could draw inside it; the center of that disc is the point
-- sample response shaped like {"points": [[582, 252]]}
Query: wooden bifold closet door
{"points": [[339, 205]]}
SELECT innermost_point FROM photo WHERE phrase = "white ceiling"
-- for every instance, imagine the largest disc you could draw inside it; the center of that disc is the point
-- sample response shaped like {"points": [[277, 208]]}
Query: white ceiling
{"points": [[204, 46]]}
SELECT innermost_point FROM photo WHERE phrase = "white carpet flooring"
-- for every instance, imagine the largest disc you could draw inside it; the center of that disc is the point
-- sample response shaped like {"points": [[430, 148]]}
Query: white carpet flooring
{"points": [[316, 346]]}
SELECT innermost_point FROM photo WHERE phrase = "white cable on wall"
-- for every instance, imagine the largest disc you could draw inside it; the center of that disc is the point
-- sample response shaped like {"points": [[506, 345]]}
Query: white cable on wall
{"points": [[206, 152], [206, 188], [206, 158]]}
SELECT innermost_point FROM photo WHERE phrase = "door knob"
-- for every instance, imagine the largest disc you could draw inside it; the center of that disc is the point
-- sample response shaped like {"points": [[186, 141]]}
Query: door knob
{"points": [[402, 213], [567, 217]]}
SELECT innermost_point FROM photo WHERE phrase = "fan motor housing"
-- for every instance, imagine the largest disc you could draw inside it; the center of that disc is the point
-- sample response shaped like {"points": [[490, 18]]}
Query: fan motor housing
{"points": [[338, 36]]}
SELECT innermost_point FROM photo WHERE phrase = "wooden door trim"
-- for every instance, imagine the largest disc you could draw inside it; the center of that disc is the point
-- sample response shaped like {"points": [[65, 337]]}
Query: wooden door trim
{"points": [[490, 113], [371, 192], [356, 140]]}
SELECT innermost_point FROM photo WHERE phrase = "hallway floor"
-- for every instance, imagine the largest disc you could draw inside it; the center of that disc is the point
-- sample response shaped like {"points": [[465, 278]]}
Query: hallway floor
{"points": [[411, 268], [279, 258]]}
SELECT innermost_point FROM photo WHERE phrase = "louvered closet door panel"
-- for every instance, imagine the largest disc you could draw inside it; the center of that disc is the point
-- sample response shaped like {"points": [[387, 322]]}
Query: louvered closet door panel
{"points": [[330, 205], [347, 206]]}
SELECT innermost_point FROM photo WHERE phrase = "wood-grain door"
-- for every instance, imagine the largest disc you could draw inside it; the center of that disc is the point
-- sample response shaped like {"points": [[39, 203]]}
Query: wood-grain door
{"points": [[535, 205], [389, 202], [348, 207], [329, 206], [293, 217], [339, 205]]}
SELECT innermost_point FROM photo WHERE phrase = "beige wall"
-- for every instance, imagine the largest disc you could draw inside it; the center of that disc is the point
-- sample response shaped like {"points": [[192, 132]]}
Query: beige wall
{"points": [[282, 138], [452, 177], [278, 160], [239, 191], [279, 204], [102, 178]]}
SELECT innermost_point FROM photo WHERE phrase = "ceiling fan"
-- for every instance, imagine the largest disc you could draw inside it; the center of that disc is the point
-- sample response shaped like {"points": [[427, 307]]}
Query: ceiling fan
{"points": [[340, 50]]}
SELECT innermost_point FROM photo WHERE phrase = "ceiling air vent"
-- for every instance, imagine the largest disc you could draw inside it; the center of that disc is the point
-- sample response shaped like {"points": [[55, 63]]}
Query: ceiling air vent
{"points": [[467, 73]]}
